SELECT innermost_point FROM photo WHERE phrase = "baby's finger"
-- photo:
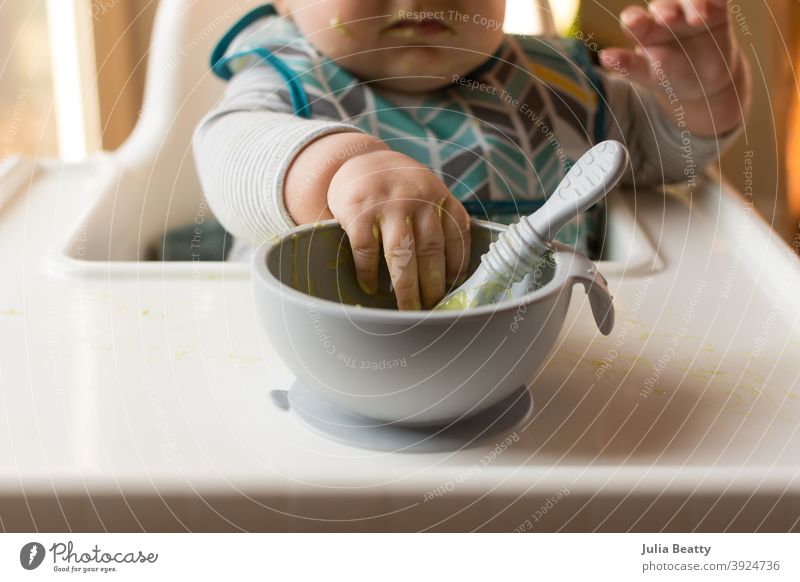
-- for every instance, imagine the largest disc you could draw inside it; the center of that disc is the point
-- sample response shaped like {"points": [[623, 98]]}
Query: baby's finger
{"points": [[663, 22], [695, 11], [429, 241], [704, 12], [668, 13], [457, 242], [398, 245], [641, 26], [629, 64], [364, 235]]}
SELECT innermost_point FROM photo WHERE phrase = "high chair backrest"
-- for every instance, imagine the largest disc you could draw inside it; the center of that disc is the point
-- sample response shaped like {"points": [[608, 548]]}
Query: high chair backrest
{"points": [[546, 18], [180, 89]]}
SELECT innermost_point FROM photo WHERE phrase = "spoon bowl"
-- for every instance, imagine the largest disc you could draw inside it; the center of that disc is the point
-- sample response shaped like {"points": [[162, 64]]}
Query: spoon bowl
{"points": [[522, 248]]}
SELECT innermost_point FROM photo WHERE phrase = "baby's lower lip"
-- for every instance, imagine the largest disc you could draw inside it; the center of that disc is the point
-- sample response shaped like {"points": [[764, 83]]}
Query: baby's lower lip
{"points": [[418, 28]]}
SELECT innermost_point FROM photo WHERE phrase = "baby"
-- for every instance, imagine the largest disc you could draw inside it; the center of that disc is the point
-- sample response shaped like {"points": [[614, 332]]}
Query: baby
{"points": [[402, 118]]}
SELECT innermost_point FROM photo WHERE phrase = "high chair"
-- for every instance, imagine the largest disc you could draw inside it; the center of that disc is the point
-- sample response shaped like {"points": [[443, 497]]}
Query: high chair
{"points": [[137, 392]]}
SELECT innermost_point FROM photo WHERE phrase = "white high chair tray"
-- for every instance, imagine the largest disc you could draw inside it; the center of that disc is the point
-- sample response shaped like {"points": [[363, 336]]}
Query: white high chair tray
{"points": [[137, 395]]}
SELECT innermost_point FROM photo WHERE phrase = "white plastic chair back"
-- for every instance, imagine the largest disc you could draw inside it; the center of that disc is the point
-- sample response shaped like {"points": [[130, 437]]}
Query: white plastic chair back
{"points": [[546, 18]]}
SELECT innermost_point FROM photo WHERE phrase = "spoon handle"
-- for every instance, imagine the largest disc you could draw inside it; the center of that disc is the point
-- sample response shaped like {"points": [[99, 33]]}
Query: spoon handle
{"points": [[588, 181]]}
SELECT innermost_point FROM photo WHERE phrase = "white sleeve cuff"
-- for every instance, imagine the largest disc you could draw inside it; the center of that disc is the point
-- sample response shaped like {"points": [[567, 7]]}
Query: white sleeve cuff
{"points": [[248, 194]]}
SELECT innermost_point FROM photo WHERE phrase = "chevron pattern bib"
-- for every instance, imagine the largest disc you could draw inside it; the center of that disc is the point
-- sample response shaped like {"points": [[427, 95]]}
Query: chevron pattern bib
{"points": [[500, 151]]}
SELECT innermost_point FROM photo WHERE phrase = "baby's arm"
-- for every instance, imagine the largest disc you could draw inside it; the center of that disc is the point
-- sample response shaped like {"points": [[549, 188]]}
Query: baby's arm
{"points": [[696, 86], [243, 148], [264, 170]]}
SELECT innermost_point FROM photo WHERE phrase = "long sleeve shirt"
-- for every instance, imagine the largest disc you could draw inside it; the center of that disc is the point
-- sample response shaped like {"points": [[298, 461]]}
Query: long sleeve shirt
{"points": [[507, 148]]}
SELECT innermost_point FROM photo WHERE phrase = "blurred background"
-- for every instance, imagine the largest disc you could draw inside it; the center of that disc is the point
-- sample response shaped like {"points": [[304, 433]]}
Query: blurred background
{"points": [[74, 74]]}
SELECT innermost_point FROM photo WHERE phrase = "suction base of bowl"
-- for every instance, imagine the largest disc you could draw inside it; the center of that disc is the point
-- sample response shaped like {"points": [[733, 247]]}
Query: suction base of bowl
{"points": [[339, 425]]}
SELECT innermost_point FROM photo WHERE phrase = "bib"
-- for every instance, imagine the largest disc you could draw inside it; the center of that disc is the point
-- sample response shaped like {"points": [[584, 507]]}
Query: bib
{"points": [[500, 151]]}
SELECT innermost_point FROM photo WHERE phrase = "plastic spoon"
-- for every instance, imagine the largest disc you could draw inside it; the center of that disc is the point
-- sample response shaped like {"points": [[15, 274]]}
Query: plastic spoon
{"points": [[522, 247]]}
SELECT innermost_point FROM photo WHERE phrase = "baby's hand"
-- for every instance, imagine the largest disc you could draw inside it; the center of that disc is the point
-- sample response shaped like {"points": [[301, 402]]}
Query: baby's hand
{"points": [[687, 52], [384, 196]]}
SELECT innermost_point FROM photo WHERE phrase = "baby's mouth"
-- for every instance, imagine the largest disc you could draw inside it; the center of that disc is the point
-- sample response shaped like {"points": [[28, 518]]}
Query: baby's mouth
{"points": [[408, 28]]}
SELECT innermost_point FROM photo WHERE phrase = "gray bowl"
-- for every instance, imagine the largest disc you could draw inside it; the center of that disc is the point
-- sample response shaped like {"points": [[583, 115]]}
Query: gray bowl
{"points": [[420, 367]]}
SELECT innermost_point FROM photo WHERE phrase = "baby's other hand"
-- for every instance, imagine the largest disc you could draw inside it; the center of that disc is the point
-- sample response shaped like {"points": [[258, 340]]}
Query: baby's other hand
{"points": [[384, 196], [687, 51]]}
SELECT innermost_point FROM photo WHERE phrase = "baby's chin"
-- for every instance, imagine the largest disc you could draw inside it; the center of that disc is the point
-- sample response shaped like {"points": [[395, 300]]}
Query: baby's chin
{"points": [[412, 76]]}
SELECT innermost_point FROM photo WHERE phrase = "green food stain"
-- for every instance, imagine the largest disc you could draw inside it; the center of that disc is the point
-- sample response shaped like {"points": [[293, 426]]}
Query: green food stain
{"points": [[487, 293], [458, 302], [368, 290]]}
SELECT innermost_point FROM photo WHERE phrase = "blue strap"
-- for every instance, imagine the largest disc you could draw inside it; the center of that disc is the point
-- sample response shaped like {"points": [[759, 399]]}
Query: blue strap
{"points": [[220, 64]]}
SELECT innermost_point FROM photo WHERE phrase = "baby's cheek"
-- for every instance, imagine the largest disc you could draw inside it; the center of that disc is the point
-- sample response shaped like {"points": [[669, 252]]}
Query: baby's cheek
{"points": [[483, 39], [336, 42]]}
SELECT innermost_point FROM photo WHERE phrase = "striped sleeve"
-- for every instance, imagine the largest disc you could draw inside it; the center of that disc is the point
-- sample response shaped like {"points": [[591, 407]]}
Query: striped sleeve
{"points": [[661, 150], [243, 148]]}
